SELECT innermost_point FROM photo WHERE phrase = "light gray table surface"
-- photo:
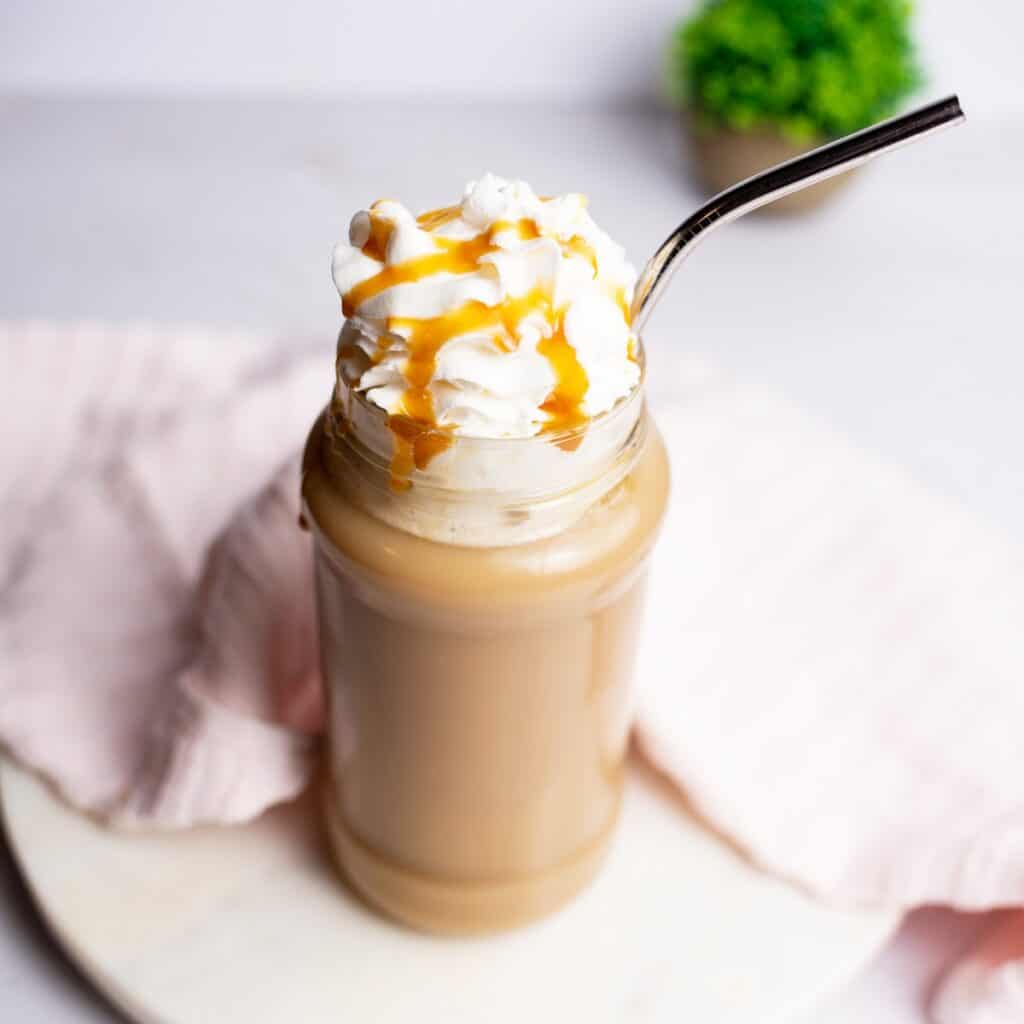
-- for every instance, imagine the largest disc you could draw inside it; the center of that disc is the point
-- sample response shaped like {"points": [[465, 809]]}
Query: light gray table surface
{"points": [[893, 314]]}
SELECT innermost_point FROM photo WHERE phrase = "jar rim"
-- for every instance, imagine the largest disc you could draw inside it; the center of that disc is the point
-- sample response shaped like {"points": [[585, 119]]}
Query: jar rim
{"points": [[466, 488], [486, 510]]}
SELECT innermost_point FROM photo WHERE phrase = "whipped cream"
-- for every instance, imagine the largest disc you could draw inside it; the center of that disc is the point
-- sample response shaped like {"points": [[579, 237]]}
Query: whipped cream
{"points": [[503, 316]]}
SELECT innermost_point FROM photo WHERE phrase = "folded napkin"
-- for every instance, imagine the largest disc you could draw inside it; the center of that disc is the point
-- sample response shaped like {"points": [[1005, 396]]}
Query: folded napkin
{"points": [[831, 665]]}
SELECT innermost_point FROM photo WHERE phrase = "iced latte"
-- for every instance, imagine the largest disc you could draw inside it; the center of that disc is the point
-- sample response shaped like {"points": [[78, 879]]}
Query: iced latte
{"points": [[484, 489]]}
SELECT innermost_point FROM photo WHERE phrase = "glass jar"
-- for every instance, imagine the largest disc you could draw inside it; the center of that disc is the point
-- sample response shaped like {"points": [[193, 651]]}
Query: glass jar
{"points": [[478, 624]]}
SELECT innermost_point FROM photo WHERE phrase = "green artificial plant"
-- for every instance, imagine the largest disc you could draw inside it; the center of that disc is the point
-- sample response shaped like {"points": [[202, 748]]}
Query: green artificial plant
{"points": [[806, 68]]}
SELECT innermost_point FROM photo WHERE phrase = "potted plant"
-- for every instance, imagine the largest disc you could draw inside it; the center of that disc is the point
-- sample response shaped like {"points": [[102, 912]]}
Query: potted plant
{"points": [[765, 80]]}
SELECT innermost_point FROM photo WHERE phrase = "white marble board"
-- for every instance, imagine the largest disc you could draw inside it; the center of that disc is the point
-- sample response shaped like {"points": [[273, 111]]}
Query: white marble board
{"points": [[251, 924]]}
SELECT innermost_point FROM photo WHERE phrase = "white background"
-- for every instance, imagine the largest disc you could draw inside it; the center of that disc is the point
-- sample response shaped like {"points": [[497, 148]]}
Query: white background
{"points": [[564, 49]]}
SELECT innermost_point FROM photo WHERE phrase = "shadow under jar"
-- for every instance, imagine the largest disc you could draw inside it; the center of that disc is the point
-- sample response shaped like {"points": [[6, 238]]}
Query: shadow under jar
{"points": [[478, 625]]}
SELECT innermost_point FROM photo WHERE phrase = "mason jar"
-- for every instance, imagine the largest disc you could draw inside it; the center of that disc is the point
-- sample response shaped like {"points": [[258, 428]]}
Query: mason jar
{"points": [[478, 616]]}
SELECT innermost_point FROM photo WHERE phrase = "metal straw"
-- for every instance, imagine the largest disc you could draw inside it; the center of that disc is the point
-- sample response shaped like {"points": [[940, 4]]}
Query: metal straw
{"points": [[834, 158]]}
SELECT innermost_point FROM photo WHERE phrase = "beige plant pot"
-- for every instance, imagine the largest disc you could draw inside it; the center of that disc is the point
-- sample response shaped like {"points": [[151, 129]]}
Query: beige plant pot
{"points": [[724, 157]]}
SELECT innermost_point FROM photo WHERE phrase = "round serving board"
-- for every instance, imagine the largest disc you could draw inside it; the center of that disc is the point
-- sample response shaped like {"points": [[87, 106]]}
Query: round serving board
{"points": [[251, 924]]}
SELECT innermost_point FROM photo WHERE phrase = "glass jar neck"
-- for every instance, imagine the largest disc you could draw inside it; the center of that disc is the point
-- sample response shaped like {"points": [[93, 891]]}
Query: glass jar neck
{"points": [[480, 492]]}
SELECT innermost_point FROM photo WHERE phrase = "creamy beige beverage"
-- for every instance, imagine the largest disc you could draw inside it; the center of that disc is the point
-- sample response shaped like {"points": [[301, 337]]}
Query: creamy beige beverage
{"points": [[484, 489]]}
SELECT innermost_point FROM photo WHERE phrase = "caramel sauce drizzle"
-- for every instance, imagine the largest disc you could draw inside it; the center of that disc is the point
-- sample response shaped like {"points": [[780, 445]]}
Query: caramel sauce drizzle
{"points": [[416, 443], [454, 262], [576, 246], [564, 405], [376, 246], [435, 218], [418, 437], [454, 256]]}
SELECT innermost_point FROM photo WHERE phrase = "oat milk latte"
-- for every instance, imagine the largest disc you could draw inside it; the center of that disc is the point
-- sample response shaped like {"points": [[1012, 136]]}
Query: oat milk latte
{"points": [[484, 488]]}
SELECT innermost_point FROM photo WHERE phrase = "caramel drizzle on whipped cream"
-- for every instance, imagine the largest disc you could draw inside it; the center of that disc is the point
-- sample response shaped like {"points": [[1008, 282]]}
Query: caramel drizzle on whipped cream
{"points": [[418, 436]]}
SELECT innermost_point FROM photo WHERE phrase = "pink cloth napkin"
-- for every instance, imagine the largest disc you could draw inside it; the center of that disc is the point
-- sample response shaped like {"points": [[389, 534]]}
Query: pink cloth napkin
{"points": [[831, 666]]}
